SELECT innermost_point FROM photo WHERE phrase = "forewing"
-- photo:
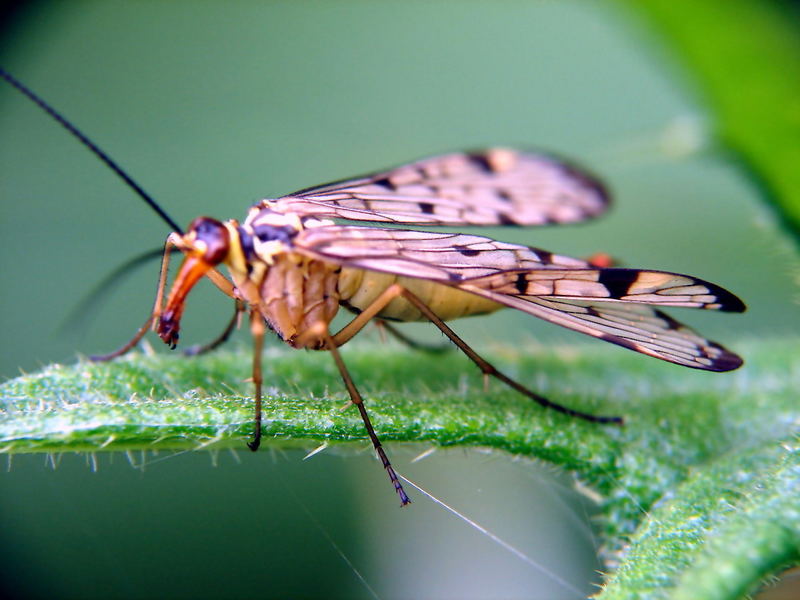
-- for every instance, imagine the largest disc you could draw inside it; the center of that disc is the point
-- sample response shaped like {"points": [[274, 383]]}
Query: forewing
{"points": [[493, 187], [611, 285], [609, 304], [446, 257]]}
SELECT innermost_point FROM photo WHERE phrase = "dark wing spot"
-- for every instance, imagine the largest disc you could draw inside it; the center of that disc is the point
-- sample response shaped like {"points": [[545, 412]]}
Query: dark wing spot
{"points": [[453, 276], [545, 257], [728, 302], [591, 310], [426, 207], [506, 219], [467, 251], [481, 161], [521, 283], [618, 281], [385, 183], [726, 360], [504, 196]]}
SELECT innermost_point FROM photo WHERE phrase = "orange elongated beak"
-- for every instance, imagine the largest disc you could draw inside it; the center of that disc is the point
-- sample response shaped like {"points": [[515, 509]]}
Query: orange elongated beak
{"points": [[206, 245], [169, 324]]}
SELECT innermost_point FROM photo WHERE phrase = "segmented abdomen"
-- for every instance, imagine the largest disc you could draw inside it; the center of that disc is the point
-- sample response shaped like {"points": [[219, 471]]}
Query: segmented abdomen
{"points": [[358, 288]]}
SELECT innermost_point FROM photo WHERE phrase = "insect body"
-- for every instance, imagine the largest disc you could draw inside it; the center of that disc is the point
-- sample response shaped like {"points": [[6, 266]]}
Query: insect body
{"points": [[292, 266]]}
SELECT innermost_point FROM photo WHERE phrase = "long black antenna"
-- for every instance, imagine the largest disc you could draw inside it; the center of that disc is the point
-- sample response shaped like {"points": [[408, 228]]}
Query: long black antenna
{"points": [[93, 147]]}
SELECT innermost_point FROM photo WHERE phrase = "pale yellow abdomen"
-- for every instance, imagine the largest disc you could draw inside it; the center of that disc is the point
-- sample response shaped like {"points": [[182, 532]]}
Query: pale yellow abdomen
{"points": [[359, 288]]}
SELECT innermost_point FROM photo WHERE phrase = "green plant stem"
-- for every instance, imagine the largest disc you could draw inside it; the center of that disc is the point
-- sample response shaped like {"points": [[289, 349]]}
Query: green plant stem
{"points": [[688, 435]]}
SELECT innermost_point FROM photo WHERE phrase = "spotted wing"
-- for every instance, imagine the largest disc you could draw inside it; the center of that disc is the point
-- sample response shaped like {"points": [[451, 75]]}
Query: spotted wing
{"points": [[626, 323], [610, 304], [492, 187]]}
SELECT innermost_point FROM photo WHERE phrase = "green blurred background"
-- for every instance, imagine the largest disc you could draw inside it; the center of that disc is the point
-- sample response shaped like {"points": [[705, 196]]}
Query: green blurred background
{"points": [[211, 106]]}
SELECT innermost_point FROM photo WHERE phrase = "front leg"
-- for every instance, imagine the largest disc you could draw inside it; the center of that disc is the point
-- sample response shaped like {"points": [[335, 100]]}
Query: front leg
{"points": [[257, 329]]}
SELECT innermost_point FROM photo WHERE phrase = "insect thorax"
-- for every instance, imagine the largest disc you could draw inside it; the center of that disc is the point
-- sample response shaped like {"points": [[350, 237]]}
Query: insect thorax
{"points": [[292, 291]]}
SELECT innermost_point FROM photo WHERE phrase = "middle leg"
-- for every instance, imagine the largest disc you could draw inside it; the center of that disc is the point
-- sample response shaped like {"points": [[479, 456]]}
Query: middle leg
{"points": [[411, 343], [489, 370], [320, 330]]}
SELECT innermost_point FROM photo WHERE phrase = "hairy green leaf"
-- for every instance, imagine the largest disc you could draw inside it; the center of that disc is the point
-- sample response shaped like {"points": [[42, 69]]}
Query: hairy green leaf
{"points": [[703, 458]]}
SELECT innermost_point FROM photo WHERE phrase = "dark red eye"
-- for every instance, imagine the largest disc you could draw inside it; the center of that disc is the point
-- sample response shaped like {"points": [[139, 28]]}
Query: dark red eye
{"points": [[214, 235]]}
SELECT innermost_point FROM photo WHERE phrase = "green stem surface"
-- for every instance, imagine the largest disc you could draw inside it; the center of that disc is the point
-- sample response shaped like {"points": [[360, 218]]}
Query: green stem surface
{"points": [[699, 479]]}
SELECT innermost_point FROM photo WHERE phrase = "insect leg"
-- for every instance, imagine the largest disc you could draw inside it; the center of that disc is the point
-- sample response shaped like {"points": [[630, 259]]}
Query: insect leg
{"points": [[222, 283], [172, 245], [395, 290], [257, 329], [489, 369], [222, 338], [355, 397], [154, 314], [346, 333], [127, 347], [411, 343]]}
